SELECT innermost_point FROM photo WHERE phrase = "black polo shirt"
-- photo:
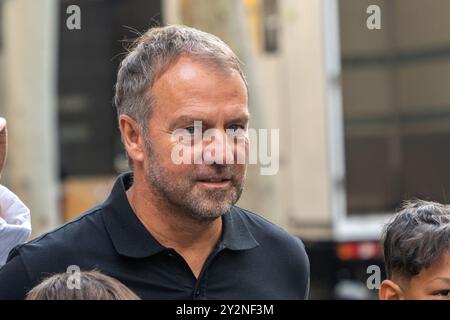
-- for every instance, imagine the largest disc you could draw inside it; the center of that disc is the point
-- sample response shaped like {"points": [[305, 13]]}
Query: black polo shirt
{"points": [[254, 259]]}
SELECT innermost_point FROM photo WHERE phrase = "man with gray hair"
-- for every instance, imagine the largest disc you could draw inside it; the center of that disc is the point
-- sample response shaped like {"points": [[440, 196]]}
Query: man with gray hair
{"points": [[170, 230]]}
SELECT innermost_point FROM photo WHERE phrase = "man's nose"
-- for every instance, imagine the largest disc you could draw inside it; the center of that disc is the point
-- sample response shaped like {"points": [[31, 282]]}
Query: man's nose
{"points": [[217, 148]]}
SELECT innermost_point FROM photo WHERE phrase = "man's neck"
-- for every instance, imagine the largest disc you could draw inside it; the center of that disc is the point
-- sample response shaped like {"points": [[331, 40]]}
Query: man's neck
{"points": [[192, 239]]}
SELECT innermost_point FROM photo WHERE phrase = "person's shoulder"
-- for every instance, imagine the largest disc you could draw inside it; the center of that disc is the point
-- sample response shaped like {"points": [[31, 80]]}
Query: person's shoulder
{"points": [[55, 251], [266, 231], [69, 235]]}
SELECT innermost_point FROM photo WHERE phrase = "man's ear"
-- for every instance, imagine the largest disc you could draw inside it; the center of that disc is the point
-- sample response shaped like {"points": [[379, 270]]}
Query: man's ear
{"points": [[132, 137], [389, 290]]}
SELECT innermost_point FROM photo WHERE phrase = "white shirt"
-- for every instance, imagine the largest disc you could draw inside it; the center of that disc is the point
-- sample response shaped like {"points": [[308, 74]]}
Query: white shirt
{"points": [[15, 226]]}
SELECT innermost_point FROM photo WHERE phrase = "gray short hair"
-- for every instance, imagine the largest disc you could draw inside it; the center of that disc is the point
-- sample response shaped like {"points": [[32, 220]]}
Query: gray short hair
{"points": [[152, 53]]}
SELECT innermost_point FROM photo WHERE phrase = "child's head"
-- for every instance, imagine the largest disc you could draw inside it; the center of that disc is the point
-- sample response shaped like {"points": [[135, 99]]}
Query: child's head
{"points": [[93, 285], [417, 253]]}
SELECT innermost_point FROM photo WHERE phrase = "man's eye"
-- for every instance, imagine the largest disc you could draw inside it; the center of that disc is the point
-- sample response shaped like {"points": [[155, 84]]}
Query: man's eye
{"points": [[235, 127], [190, 130]]}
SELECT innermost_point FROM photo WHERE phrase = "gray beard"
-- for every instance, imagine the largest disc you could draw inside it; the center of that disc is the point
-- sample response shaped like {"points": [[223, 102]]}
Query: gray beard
{"points": [[203, 207]]}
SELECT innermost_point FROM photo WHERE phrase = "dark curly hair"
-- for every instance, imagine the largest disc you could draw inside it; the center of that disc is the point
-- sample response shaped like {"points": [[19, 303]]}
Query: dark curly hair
{"points": [[417, 236]]}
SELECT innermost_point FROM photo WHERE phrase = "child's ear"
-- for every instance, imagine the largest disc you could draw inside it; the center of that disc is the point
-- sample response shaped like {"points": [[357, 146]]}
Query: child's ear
{"points": [[389, 290]]}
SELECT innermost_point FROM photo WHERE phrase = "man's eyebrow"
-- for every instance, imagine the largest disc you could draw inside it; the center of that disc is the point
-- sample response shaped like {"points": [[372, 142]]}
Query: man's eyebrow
{"points": [[186, 119], [244, 117], [189, 119]]}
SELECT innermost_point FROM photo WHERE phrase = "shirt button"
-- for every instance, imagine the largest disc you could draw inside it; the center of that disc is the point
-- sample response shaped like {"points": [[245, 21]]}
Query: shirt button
{"points": [[197, 293]]}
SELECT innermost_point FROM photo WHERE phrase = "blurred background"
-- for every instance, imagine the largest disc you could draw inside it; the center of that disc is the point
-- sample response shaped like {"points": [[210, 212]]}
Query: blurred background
{"points": [[364, 115]]}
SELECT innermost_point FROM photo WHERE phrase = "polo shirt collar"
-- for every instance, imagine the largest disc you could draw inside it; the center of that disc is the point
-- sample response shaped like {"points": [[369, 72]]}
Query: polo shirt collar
{"points": [[128, 234], [130, 237], [235, 234]]}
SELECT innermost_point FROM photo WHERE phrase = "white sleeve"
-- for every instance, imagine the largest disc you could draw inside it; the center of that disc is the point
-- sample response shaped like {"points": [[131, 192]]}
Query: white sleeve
{"points": [[15, 226]]}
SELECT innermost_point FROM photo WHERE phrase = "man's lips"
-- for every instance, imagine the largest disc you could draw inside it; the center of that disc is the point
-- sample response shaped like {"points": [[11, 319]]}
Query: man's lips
{"points": [[214, 179], [215, 182]]}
